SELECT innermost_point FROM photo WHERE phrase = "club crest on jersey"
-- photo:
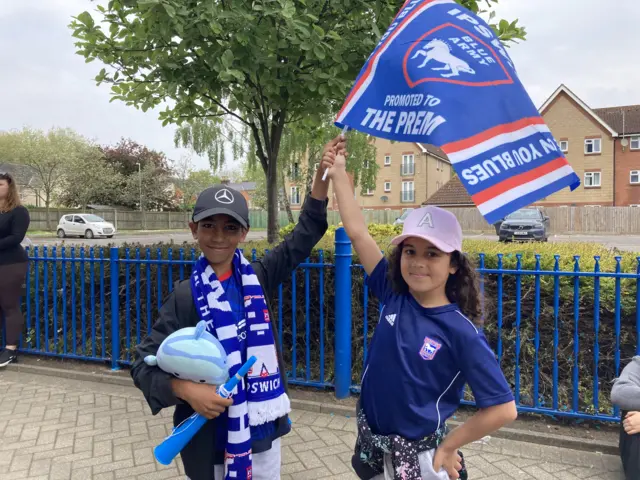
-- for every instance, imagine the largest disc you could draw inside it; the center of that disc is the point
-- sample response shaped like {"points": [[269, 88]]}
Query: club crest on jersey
{"points": [[429, 349], [452, 54]]}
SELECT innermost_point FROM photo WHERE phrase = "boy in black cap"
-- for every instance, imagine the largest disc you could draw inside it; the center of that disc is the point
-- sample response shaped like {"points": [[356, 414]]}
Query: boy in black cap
{"points": [[232, 294]]}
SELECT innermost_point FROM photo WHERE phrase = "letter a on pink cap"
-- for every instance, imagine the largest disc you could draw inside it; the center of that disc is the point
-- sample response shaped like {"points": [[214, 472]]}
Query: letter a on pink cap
{"points": [[435, 225]]}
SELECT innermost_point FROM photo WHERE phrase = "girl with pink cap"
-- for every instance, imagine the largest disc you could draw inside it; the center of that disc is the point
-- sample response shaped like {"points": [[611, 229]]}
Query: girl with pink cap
{"points": [[428, 344]]}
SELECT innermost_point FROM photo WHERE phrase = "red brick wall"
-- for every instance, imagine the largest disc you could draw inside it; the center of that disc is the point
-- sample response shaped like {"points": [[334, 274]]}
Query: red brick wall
{"points": [[626, 193]]}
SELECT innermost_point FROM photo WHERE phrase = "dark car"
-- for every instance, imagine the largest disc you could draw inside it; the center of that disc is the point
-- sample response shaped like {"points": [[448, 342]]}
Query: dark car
{"points": [[525, 224]]}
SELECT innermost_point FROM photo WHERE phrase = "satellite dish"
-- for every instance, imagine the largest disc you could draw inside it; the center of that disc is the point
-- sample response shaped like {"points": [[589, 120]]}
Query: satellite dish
{"points": [[624, 142], [384, 198]]}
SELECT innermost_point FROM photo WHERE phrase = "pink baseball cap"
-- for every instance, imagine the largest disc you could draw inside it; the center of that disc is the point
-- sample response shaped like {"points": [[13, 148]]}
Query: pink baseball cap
{"points": [[437, 226]]}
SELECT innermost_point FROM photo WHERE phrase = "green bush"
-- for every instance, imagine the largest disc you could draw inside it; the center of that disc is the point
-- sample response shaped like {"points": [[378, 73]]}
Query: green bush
{"points": [[313, 297]]}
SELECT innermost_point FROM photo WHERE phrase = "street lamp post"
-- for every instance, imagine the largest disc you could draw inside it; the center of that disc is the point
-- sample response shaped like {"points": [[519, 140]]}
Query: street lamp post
{"points": [[140, 183], [144, 220]]}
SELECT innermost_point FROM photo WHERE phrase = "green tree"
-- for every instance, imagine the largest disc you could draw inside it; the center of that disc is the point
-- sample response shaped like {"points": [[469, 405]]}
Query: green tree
{"points": [[90, 180], [197, 181], [50, 155], [263, 63], [144, 175]]}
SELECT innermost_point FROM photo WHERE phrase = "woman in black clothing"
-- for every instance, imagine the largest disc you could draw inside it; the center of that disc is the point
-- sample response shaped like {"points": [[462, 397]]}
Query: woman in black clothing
{"points": [[14, 222]]}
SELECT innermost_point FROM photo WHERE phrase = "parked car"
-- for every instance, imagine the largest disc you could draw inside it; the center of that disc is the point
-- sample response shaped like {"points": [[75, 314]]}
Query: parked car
{"points": [[85, 225], [525, 224], [400, 220]]}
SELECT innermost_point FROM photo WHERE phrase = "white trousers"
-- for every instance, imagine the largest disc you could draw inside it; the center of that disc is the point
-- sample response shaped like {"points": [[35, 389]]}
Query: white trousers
{"points": [[426, 468], [264, 466]]}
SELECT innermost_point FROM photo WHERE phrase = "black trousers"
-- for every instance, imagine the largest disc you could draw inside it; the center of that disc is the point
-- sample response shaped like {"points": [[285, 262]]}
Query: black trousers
{"points": [[11, 280], [630, 453]]}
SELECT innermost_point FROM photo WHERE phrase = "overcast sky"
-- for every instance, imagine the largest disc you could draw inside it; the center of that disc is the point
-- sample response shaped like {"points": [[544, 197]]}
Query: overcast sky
{"points": [[589, 45]]}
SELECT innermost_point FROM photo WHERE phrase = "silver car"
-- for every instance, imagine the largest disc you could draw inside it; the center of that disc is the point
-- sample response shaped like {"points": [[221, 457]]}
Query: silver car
{"points": [[85, 225]]}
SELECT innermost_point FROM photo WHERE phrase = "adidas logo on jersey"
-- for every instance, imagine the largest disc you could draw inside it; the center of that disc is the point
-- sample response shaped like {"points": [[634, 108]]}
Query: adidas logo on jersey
{"points": [[391, 319]]}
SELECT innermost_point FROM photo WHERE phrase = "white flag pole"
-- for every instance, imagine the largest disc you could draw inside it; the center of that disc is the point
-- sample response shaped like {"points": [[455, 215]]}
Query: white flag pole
{"points": [[344, 131]]}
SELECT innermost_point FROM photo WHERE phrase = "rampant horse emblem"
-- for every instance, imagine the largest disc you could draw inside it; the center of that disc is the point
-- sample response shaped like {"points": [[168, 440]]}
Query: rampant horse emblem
{"points": [[452, 54], [440, 51]]}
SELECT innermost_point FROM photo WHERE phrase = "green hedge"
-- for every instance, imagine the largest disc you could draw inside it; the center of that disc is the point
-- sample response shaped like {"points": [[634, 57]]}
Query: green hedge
{"points": [[154, 285]]}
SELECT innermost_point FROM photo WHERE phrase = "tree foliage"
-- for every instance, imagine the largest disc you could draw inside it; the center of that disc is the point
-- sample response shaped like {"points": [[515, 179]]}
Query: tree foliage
{"points": [[51, 155], [263, 63], [153, 175]]}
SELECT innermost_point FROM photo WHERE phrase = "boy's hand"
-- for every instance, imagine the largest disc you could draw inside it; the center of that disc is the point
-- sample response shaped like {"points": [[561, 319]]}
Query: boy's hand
{"points": [[202, 398], [631, 423], [320, 188], [449, 460]]}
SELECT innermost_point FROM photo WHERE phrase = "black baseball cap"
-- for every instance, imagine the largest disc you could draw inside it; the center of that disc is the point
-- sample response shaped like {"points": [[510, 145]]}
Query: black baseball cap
{"points": [[221, 200]]}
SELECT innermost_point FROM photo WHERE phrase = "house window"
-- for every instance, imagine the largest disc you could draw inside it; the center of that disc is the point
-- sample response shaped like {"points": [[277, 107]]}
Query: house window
{"points": [[592, 179], [564, 146], [437, 185], [634, 176], [408, 165], [387, 187], [635, 143], [368, 192], [387, 160], [408, 192], [592, 145], [295, 195], [295, 171]]}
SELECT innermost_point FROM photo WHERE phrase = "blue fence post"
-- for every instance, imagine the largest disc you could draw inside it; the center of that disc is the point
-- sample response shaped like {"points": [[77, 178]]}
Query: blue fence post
{"points": [[343, 313], [115, 307]]}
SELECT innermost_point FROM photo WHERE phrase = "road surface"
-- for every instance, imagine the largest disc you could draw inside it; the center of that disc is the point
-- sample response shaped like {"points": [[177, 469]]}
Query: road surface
{"points": [[143, 238], [623, 242]]}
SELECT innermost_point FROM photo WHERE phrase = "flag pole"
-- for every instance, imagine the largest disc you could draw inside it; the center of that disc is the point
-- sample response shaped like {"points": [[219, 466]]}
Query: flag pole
{"points": [[344, 131]]}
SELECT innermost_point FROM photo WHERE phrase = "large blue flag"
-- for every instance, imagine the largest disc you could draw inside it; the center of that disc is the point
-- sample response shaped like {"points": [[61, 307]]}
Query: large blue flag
{"points": [[440, 75]]}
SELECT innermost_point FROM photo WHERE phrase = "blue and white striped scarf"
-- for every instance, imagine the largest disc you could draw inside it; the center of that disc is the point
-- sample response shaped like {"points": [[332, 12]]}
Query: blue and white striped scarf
{"points": [[260, 398]]}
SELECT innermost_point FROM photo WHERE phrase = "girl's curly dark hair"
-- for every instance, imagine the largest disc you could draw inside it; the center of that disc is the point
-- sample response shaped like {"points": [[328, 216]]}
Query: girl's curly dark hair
{"points": [[461, 289]]}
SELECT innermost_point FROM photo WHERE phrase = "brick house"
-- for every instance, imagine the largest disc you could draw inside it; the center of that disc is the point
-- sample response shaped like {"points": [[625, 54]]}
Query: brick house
{"points": [[588, 142], [626, 177], [603, 147], [409, 173], [451, 195]]}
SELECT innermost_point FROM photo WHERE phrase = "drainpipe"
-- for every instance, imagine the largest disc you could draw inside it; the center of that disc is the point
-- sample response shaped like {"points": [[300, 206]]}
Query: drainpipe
{"points": [[614, 171]]}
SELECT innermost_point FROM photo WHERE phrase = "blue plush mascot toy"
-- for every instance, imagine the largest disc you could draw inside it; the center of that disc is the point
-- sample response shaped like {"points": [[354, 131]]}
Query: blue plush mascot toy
{"points": [[193, 354]]}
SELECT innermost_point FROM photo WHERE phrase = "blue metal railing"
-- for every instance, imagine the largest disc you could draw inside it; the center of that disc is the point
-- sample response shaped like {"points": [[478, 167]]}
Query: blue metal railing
{"points": [[560, 335]]}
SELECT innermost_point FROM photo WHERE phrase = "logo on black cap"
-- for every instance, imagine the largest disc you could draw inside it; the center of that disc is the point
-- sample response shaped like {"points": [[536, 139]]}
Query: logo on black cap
{"points": [[224, 196]]}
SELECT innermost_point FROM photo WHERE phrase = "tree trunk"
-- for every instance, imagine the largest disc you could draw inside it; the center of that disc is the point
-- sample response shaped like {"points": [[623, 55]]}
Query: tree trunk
{"points": [[287, 204], [272, 203]]}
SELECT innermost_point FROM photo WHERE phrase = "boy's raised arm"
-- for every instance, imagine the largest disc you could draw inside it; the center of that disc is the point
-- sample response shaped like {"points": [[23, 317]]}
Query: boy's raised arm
{"points": [[276, 266]]}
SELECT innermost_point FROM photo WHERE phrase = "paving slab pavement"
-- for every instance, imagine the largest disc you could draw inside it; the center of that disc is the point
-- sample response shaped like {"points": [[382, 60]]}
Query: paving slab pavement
{"points": [[61, 429]]}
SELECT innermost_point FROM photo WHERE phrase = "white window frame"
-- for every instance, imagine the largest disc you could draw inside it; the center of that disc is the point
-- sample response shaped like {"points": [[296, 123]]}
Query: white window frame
{"points": [[564, 146], [635, 140], [368, 193], [408, 166], [295, 196], [408, 188], [592, 176], [635, 173], [592, 142], [387, 187], [387, 160]]}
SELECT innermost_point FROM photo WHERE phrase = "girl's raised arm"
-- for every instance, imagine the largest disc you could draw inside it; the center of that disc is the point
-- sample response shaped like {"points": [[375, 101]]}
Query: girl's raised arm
{"points": [[351, 214]]}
